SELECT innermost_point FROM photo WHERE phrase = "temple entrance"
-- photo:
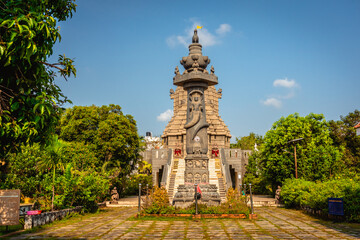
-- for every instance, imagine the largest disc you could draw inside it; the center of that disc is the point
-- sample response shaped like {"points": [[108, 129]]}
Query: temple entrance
{"points": [[160, 174], [233, 177]]}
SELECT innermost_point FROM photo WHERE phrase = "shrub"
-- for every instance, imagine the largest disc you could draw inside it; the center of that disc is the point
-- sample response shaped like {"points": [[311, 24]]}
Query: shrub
{"points": [[132, 187], [294, 191], [159, 204], [235, 203], [298, 193], [22, 173]]}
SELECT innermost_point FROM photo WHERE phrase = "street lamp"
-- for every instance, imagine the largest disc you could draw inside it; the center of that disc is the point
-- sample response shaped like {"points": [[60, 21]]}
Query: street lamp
{"points": [[295, 141]]}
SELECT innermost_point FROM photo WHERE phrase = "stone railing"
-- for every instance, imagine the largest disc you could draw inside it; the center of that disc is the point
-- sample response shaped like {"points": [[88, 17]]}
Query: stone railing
{"points": [[32, 221], [167, 170], [226, 170]]}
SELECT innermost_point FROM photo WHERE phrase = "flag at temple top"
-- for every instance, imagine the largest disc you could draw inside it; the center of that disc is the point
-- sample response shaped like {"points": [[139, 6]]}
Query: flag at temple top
{"points": [[199, 27]]}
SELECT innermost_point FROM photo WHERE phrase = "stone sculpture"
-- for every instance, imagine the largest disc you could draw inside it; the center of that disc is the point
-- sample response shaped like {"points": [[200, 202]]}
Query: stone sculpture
{"points": [[114, 196], [277, 195], [196, 125]]}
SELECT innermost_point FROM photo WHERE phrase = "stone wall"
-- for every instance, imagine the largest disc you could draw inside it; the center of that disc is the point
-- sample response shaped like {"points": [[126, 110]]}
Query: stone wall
{"points": [[32, 221], [237, 160], [159, 158]]}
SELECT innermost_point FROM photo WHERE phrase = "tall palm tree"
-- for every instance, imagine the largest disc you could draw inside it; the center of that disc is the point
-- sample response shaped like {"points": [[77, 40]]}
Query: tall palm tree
{"points": [[52, 162]]}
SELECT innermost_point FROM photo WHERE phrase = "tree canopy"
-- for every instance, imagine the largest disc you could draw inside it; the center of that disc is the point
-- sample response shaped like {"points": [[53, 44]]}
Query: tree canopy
{"points": [[316, 155], [29, 96], [344, 135], [247, 142], [111, 134]]}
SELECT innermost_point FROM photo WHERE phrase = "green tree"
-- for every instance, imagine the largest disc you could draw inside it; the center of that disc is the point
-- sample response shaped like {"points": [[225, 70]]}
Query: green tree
{"points": [[316, 154], [22, 172], [247, 142], [51, 163], [29, 97], [343, 134], [109, 133], [81, 156]]}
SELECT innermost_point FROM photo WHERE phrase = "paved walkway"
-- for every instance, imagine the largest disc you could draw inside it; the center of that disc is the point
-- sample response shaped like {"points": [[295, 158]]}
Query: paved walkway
{"points": [[274, 223]]}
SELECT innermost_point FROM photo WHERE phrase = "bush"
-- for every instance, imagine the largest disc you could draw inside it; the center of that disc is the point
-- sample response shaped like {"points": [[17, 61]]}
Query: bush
{"points": [[132, 186], [235, 203], [295, 191], [159, 204], [21, 170], [77, 185], [298, 193]]}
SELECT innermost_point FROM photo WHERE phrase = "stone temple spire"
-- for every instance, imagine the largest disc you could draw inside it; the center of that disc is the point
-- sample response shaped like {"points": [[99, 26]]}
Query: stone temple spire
{"points": [[195, 38], [195, 61]]}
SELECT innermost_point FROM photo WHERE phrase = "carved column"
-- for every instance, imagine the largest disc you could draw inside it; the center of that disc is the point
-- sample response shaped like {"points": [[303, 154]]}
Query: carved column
{"points": [[196, 169], [195, 80]]}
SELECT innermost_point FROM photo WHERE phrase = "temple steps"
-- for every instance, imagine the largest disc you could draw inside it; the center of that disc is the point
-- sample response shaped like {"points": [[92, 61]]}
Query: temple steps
{"points": [[222, 191], [172, 184], [177, 177]]}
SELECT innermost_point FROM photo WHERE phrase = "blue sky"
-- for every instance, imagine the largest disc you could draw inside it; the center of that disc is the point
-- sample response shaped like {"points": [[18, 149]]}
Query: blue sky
{"points": [[273, 58]]}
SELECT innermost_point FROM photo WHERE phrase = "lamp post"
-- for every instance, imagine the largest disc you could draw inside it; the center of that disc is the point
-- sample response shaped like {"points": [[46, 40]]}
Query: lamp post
{"points": [[295, 141], [251, 200], [139, 198], [196, 205]]}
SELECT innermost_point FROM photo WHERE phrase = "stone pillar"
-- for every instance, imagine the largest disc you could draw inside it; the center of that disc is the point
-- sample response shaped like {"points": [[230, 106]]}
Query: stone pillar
{"points": [[196, 161]]}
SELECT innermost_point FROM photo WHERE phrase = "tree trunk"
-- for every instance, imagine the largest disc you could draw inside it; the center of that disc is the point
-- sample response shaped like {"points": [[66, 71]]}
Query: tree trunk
{"points": [[52, 200], [53, 192]]}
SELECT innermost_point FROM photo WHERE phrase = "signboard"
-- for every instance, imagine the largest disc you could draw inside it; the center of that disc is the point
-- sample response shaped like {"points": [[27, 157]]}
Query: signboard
{"points": [[9, 207], [336, 206]]}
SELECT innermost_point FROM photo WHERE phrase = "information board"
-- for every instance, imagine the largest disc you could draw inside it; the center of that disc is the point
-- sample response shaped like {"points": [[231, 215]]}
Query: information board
{"points": [[336, 206], [9, 207]]}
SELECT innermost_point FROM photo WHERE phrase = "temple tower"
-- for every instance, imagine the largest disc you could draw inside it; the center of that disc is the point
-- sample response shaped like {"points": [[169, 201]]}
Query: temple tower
{"points": [[215, 134], [197, 141]]}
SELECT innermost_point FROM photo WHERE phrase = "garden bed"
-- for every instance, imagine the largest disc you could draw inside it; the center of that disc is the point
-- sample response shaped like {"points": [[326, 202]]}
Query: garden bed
{"points": [[199, 216]]}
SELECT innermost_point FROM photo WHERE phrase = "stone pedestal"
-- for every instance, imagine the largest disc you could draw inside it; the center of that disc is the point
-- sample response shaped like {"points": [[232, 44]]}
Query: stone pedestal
{"points": [[196, 169], [185, 195]]}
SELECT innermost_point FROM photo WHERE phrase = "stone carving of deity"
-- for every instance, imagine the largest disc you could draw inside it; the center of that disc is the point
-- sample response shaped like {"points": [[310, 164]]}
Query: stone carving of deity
{"points": [[197, 178], [204, 178], [114, 195], [196, 126], [204, 164], [189, 178]]}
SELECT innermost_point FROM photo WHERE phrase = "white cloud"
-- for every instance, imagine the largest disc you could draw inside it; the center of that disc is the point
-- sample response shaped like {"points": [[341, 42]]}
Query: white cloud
{"points": [[165, 116], [223, 29], [206, 38], [285, 83], [290, 86], [274, 102]]}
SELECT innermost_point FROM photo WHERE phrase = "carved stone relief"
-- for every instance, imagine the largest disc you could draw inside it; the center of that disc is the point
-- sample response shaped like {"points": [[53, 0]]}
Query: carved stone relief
{"points": [[196, 126], [196, 171]]}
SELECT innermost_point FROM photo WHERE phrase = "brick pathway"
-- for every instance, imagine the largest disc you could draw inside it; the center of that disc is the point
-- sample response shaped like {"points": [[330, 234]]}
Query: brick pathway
{"points": [[274, 223]]}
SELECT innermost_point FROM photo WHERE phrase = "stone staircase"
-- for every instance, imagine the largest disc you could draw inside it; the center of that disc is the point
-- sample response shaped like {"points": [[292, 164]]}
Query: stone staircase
{"points": [[216, 177], [172, 184], [176, 177], [178, 171], [220, 178], [222, 190]]}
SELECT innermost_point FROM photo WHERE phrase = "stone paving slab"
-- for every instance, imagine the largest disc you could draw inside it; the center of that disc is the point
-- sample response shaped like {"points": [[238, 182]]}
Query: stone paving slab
{"points": [[273, 223]]}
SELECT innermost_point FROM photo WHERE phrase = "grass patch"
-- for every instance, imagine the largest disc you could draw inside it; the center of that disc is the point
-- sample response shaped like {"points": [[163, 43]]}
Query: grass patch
{"points": [[151, 218], [12, 228]]}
